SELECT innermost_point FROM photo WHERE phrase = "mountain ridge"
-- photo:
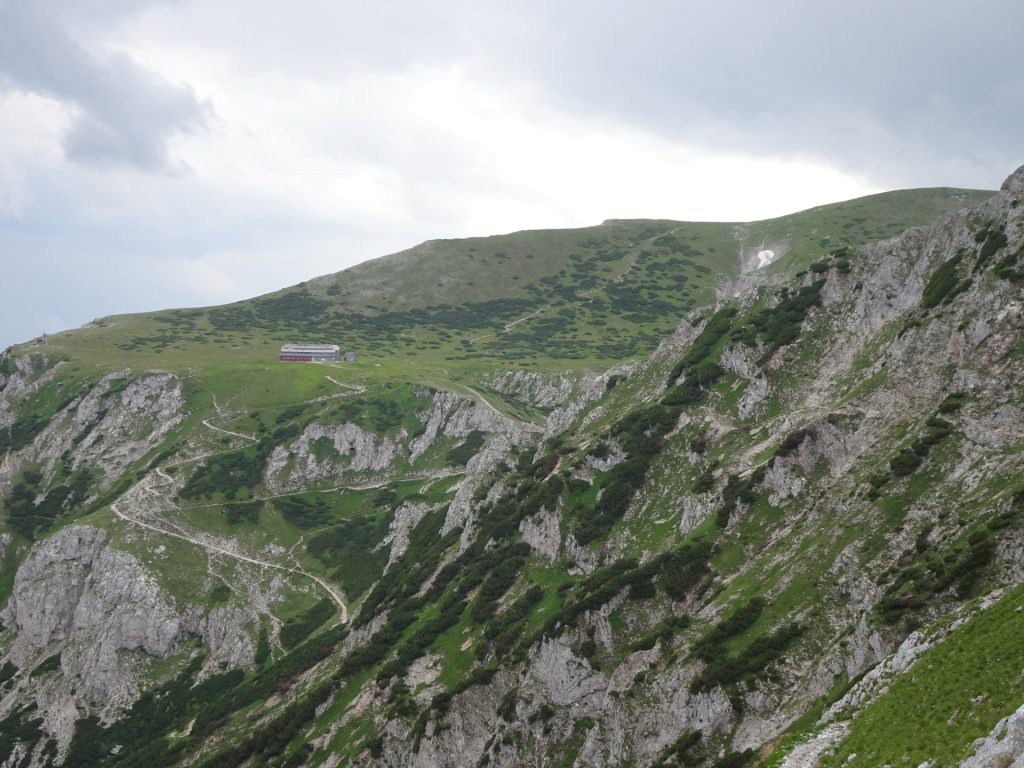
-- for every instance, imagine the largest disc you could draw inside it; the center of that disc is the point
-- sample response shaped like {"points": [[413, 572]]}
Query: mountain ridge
{"points": [[708, 555], [596, 294]]}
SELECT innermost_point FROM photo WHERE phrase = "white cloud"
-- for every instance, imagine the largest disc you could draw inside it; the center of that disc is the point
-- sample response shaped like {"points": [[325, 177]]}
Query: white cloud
{"points": [[196, 277], [31, 127]]}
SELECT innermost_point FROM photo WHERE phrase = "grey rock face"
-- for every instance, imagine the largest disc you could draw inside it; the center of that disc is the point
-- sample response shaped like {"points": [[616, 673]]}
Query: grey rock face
{"points": [[782, 482], [541, 390], [48, 588], [478, 471], [1003, 747], [615, 456], [106, 614], [407, 517], [29, 375], [97, 602], [354, 450], [1014, 184], [543, 533], [456, 416], [107, 430], [563, 677], [694, 510], [589, 390], [738, 360]]}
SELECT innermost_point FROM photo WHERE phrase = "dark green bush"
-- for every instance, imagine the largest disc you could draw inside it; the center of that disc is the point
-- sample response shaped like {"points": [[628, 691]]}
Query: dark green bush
{"points": [[995, 240], [243, 512], [717, 327], [304, 511], [507, 708], [711, 645], [781, 325], [643, 590], [941, 284], [684, 568], [953, 403], [726, 669], [505, 567], [905, 462], [350, 549], [297, 629], [469, 448]]}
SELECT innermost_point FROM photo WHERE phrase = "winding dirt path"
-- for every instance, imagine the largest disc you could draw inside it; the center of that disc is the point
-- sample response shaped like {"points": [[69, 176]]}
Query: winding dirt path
{"points": [[206, 423], [510, 326], [483, 400], [145, 486], [334, 594], [353, 387]]}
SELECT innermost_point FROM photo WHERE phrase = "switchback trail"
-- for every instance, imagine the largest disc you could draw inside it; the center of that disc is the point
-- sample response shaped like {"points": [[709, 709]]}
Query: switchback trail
{"points": [[334, 594]]}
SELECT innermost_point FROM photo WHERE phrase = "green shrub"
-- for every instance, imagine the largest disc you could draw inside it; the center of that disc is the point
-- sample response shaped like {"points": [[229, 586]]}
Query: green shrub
{"points": [[953, 402], [922, 583], [298, 629], [941, 284], [685, 567], [469, 448], [711, 645], [507, 708], [505, 567], [350, 549], [50, 664], [905, 462], [995, 240], [304, 511], [781, 325], [717, 327], [726, 669], [794, 439], [243, 512], [220, 594], [664, 631], [643, 590], [19, 727], [680, 751], [22, 432]]}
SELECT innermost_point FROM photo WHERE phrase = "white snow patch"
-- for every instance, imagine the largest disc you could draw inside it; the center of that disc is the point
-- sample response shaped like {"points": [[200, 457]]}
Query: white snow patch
{"points": [[764, 258]]}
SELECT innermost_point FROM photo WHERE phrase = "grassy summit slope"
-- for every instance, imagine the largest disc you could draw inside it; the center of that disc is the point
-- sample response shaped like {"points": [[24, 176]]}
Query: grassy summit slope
{"points": [[551, 299]]}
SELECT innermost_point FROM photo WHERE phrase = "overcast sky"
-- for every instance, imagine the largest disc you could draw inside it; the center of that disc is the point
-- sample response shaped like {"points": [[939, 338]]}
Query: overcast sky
{"points": [[159, 153]]}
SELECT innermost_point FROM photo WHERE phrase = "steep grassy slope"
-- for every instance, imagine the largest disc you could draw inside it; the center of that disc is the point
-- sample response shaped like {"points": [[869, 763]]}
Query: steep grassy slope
{"points": [[958, 691]]}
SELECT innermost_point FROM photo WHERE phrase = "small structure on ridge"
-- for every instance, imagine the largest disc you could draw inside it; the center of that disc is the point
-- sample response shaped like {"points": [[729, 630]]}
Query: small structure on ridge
{"points": [[310, 353]]}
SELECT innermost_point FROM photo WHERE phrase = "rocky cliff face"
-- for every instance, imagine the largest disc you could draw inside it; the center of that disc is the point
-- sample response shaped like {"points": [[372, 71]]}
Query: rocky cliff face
{"points": [[907, 359], [107, 429], [106, 617]]}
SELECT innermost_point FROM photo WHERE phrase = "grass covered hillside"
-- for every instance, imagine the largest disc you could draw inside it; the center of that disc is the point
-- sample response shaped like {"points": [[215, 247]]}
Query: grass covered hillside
{"points": [[550, 299]]}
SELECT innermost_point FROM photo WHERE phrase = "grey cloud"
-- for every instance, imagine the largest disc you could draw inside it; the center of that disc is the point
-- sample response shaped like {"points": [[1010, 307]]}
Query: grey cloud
{"points": [[911, 92], [125, 113], [880, 87]]}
